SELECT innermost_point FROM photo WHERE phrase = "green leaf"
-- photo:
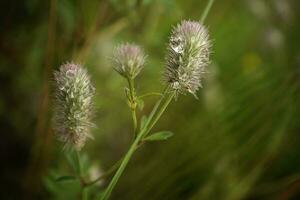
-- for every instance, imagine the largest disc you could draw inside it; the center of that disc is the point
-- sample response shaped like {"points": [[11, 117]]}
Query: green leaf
{"points": [[140, 104], [66, 178], [143, 121], [162, 135]]}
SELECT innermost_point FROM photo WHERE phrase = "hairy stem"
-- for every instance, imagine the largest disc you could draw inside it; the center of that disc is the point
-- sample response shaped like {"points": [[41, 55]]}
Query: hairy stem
{"points": [[206, 10], [155, 112]]}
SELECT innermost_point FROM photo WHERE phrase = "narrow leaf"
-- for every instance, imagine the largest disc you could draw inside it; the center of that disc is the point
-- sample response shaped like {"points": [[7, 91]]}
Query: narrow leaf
{"points": [[162, 135]]}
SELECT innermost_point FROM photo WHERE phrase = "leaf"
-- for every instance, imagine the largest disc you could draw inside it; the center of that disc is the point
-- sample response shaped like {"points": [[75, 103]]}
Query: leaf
{"points": [[65, 178], [140, 104], [162, 135]]}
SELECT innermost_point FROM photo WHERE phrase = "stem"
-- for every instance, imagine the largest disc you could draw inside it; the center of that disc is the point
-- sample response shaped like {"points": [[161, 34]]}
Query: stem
{"points": [[150, 94], [156, 106], [107, 173], [84, 195], [121, 168], [79, 164], [160, 112], [149, 125], [206, 10], [134, 120], [136, 142], [132, 101]]}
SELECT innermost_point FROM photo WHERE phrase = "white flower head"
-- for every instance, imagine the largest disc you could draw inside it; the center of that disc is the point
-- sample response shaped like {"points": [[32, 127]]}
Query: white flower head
{"points": [[73, 106], [128, 60], [187, 57]]}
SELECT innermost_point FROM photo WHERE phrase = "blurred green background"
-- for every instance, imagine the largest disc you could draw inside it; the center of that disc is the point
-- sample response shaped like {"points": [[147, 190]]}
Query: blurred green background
{"points": [[240, 140]]}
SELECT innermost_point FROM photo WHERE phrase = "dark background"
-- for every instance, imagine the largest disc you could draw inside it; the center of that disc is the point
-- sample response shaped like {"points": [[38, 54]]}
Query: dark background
{"points": [[240, 140]]}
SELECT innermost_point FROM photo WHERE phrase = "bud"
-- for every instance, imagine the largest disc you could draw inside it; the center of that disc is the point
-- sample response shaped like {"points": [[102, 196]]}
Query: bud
{"points": [[187, 57], [128, 60], [73, 93]]}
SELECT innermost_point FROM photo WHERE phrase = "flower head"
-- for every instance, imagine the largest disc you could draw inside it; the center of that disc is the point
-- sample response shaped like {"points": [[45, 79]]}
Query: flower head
{"points": [[128, 60], [188, 56], [73, 93]]}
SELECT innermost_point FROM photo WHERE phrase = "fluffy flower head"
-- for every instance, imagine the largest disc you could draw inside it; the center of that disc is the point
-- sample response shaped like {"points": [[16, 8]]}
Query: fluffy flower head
{"points": [[187, 57], [128, 60], [73, 94]]}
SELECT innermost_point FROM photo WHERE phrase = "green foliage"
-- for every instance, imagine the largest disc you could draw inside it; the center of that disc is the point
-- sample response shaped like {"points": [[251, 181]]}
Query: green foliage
{"points": [[161, 135]]}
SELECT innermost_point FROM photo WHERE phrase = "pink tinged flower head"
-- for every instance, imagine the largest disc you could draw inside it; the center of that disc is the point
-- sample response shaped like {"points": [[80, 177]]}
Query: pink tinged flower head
{"points": [[187, 57], [73, 106], [128, 60]]}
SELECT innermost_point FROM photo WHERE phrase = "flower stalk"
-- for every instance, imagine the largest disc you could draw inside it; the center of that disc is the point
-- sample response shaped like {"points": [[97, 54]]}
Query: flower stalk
{"points": [[206, 10], [132, 104], [84, 195], [156, 113]]}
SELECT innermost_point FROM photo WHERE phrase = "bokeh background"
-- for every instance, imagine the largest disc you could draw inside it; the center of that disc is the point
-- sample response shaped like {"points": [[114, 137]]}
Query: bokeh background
{"points": [[240, 140]]}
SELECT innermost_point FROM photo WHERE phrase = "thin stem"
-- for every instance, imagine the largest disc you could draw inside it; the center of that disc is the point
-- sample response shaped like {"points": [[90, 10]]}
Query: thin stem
{"points": [[79, 164], [160, 112], [136, 142], [132, 102], [156, 106], [150, 94], [134, 120], [84, 195], [107, 173], [119, 172], [206, 10]]}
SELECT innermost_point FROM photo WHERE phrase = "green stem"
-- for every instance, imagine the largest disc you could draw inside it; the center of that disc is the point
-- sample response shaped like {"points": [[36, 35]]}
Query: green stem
{"points": [[84, 195], [134, 120], [136, 142], [150, 94], [104, 175], [78, 164], [206, 10], [119, 172], [132, 102], [156, 106], [160, 112]]}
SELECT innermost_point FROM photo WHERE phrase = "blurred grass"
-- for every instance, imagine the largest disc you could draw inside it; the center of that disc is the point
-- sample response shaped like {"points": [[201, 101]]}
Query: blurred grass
{"points": [[238, 141]]}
